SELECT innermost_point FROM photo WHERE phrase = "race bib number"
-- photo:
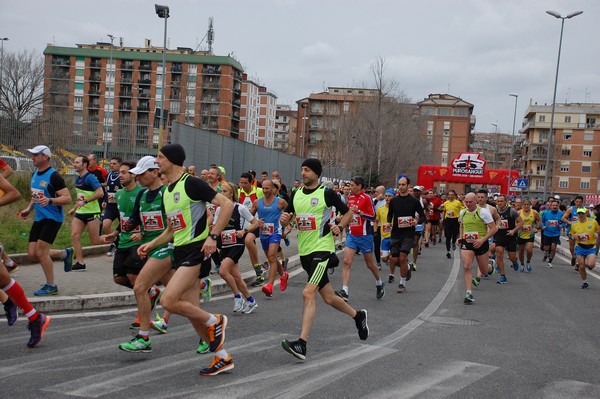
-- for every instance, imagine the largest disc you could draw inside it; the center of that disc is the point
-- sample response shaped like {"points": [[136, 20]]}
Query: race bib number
{"points": [[268, 229], [387, 228], [471, 236], [176, 220], [80, 197], [526, 228], [450, 214], [152, 221], [503, 224], [111, 198], [354, 221], [212, 208], [228, 237], [404, 222], [552, 223], [583, 237], [123, 220], [306, 221], [37, 195]]}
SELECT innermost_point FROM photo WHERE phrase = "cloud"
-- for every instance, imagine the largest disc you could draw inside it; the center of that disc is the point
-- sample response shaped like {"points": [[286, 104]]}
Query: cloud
{"points": [[319, 52]]}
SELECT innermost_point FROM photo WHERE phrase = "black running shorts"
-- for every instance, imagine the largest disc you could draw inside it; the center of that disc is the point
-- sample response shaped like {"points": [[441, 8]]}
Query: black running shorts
{"points": [[44, 230], [316, 265]]}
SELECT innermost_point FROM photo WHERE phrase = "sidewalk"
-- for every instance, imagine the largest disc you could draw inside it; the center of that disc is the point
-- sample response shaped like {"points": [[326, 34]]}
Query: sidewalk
{"points": [[94, 288]]}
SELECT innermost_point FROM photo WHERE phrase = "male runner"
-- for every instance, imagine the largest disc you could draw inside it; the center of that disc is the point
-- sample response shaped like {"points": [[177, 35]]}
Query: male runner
{"points": [[551, 226], [312, 206], [420, 227], [111, 211], [570, 217], [531, 224], [247, 194], [451, 208], [506, 237], [432, 228], [385, 229], [585, 232]]}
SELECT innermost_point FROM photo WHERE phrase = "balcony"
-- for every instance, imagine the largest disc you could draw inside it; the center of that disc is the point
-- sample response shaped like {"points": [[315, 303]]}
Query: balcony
{"points": [[145, 66], [126, 65], [211, 70], [143, 108], [126, 93], [94, 105], [95, 77], [125, 107], [95, 64], [211, 85], [94, 91], [176, 68], [208, 99]]}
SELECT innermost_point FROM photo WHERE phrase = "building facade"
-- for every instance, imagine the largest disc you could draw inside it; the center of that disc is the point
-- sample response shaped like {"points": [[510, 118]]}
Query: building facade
{"points": [[112, 95], [574, 150], [286, 123]]}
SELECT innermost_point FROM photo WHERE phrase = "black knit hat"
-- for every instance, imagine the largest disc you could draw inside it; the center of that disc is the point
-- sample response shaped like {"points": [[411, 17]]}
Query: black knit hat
{"points": [[174, 153], [313, 164]]}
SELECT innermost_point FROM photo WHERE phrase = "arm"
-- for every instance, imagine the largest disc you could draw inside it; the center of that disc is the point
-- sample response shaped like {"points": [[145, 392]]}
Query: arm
{"points": [[519, 223], [7, 171], [11, 194], [226, 205], [565, 219], [165, 237]]}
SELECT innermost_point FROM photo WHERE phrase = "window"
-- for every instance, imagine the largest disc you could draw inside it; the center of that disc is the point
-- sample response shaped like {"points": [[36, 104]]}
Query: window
{"points": [[567, 120], [566, 152], [588, 136], [346, 106], [564, 167], [542, 136], [446, 125], [587, 152], [429, 128], [590, 122], [584, 185], [586, 168], [563, 184], [542, 118], [445, 111], [567, 136]]}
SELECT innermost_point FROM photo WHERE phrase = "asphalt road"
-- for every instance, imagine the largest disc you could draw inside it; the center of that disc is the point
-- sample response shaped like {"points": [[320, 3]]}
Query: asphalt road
{"points": [[535, 337]]}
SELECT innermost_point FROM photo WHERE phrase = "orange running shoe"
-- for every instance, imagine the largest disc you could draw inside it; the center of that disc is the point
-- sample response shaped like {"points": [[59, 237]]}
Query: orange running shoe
{"points": [[268, 290], [283, 281], [216, 333]]}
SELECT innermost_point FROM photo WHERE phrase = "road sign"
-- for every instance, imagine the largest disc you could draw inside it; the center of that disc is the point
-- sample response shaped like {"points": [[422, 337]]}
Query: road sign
{"points": [[519, 184]]}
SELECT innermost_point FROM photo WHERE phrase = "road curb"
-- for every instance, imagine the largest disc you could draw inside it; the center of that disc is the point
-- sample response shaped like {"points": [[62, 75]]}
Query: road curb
{"points": [[23, 259]]}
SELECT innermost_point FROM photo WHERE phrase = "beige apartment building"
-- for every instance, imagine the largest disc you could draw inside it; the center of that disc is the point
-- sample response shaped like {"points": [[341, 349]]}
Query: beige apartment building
{"points": [[574, 153], [286, 125]]}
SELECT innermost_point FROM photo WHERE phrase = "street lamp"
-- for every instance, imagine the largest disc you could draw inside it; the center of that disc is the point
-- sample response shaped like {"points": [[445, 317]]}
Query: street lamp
{"points": [[496, 142], [512, 141], [551, 133], [303, 132], [2, 39], [107, 108], [162, 12]]}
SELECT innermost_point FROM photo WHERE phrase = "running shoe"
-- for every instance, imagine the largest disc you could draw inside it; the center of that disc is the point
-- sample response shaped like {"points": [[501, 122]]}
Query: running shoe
{"points": [[391, 279], [37, 328], [265, 265], [216, 333], [68, 261], [217, 366], [286, 241], [268, 290], [207, 291], [453, 246], [154, 297], [283, 281], [476, 281], [401, 289], [549, 265], [440, 240], [136, 324], [408, 274], [159, 324], [339, 246], [296, 348], [260, 280], [10, 311], [413, 266], [545, 256], [361, 324], [502, 280], [380, 291], [426, 244], [528, 267], [379, 266], [521, 268], [516, 266], [137, 345], [585, 285], [112, 249], [469, 298], [576, 268], [448, 255], [79, 267], [47, 290], [203, 347], [284, 264], [238, 304], [12, 268], [491, 271], [573, 261], [249, 307], [342, 294]]}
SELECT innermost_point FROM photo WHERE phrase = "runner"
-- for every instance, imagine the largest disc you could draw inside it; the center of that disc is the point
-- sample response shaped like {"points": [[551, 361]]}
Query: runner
{"points": [[49, 194], [310, 204], [452, 208], [570, 217], [38, 322], [433, 218], [420, 227], [185, 206], [505, 239], [360, 237], [401, 214], [476, 227], [385, 229], [585, 233], [111, 211], [231, 243], [482, 202], [247, 194], [86, 210], [551, 226], [378, 202], [531, 224]]}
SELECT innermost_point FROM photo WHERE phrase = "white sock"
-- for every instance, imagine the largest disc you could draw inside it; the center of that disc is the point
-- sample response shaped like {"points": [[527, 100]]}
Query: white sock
{"points": [[345, 288], [403, 280], [222, 354], [212, 320]]}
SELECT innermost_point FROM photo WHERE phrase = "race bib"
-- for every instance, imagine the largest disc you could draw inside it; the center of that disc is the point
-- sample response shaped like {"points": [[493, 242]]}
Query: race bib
{"points": [[471, 236], [450, 214], [228, 237], [503, 224], [176, 220], [552, 223], [152, 221], [404, 222], [123, 220], [111, 198], [37, 195], [387, 228], [306, 221], [431, 213], [354, 221], [527, 228], [80, 197], [267, 229], [583, 237]]}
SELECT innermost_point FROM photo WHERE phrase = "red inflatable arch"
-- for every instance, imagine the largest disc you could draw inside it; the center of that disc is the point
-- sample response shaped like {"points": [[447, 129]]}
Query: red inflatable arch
{"points": [[468, 168]]}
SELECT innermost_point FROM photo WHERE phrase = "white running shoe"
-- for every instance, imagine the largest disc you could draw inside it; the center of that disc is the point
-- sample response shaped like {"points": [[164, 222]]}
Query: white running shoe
{"points": [[238, 304]]}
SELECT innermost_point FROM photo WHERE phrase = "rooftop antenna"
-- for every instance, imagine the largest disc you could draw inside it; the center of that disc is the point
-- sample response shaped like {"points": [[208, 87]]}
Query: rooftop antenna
{"points": [[209, 36], [121, 41]]}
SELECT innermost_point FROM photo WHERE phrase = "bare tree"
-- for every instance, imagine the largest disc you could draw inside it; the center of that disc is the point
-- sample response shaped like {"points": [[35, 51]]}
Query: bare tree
{"points": [[22, 91]]}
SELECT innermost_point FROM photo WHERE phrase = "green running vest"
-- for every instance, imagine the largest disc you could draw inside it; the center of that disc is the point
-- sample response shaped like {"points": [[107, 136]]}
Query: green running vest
{"points": [[154, 221], [312, 215]]}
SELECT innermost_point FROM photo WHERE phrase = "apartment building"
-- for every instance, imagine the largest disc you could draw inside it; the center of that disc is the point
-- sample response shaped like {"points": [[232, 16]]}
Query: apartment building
{"points": [[266, 117], [112, 94], [448, 122], [495, 148], [286, 123], [257, 114], [574, 151]]}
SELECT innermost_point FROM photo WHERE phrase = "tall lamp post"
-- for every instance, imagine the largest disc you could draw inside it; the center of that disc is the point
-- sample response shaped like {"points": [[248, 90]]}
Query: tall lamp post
{"points": [[551, 133], [496, 144], [107, 108], [2, 39], [303, 132], [162, 12], [512, 142]]}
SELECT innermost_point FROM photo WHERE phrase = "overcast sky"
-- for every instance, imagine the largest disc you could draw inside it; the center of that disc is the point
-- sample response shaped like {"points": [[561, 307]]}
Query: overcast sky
{"points": [[479, 50]]}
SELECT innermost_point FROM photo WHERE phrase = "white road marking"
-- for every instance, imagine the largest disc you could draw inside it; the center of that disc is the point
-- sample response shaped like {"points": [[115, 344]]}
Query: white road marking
{"points": [[570, 389]]}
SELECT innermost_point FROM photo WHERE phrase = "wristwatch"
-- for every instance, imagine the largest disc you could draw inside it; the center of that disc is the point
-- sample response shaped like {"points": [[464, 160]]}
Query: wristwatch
{"points": [[214, 236]]}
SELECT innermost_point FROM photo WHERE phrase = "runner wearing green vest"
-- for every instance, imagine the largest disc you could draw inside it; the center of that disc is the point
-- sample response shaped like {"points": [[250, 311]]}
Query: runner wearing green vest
{"points": [[476, 227], [185, 206], [311, 206]]}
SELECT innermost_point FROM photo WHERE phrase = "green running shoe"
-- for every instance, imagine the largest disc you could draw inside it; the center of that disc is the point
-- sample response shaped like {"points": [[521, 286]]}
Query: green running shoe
{"points": [[476, 281], [203, 347], [206, 293], [137, 345]]}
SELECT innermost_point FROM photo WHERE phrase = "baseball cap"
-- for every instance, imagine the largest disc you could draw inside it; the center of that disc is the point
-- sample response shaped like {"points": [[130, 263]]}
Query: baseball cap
{"points": [[389, 191], [418, 188], [144, 164], [582, 210], [40, 149], [591, 206], [222, 169], [557, 197]]}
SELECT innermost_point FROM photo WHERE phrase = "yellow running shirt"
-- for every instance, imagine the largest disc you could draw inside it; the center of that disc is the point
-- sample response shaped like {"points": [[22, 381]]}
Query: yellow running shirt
{"points": [[584, 232], [452, 209]]}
